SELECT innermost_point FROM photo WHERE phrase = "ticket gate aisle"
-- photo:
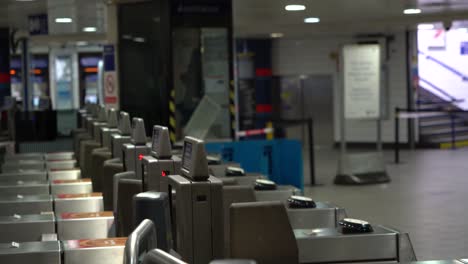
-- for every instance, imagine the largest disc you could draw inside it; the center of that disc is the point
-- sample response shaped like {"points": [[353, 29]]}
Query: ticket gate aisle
{"points": [[353, 241], [87, 146]]}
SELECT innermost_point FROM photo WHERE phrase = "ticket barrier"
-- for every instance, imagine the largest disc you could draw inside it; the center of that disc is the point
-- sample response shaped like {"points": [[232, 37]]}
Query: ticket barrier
{"points": [[21, 165], [353, 241], [85, 225], [25, 204], [102, 153], [61, 203], [79, 186], [161, 163], [27, 228], [37, 165], [33, 175], [30, 175], [158, 256], [266, 190], [133, 153], [64, 174], [157, 166], [89, 251], [24, 156], [196, 207], [45, 187], [87, 146]]}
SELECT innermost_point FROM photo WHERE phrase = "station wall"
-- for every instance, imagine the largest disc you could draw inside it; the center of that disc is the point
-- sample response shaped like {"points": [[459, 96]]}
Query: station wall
{"points": [[316, 55]]}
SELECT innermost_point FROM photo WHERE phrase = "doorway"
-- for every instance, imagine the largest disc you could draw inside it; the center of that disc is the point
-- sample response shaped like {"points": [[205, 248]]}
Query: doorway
{"points": [[309, 96]]}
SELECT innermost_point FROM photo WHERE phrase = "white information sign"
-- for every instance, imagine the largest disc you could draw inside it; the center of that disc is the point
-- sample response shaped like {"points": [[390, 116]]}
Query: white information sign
{"points": [[111, 90], [362, 81]]}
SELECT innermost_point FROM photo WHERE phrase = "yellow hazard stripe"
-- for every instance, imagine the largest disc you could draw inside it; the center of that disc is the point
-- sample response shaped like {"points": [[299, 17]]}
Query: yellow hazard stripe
{"points": [[231, 95], [172, 121], [458, 144], [172, 107], [172, 135]]}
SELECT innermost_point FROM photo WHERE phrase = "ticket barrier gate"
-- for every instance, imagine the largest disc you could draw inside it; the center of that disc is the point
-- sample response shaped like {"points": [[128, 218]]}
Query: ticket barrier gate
{"points": [[133, 153], [101, 154], [61, 203], [45, 187], [87, 146], [354, 241], [158, 256], [157, 166], [196, 207], [37, 165], [33, 175], [30, 228], [52, 156], [161, 163], [89, 251]]}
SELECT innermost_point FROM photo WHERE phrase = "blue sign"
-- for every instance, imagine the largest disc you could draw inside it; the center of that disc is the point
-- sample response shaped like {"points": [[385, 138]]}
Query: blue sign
{"points": [[109, 58], [38, 24], [464, 48]]}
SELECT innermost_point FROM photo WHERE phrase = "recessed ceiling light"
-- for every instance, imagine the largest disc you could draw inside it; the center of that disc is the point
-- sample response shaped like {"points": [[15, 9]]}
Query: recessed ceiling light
{"points": [[425, 26], [139, 39], [63, 20], [89, 29], [412, 11], [311, 20], [276, 35], [295, 7]]}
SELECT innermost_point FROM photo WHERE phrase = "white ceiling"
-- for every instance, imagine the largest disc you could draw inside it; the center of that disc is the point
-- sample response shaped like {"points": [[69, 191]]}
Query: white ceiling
{"points": [[262, 17], [259, 18], [85, 13]]}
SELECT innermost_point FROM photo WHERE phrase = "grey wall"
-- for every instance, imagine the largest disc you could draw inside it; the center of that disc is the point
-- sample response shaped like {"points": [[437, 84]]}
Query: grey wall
{"points": [[313, 56]]}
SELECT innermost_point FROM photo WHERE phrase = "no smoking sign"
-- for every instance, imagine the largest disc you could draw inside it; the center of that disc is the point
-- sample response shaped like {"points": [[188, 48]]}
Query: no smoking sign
{"points": [[110, 84]]}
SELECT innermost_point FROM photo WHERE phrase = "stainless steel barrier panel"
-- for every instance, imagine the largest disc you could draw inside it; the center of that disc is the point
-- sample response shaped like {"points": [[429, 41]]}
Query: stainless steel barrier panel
{"points": [[78, 203], [25, 228], [324, 215], [66, 174], [20, 165], [47, 252], [328, 245], [25, 204], [157, 256], [59, 156], [24, 187], [94, 251], [85, 225], [71, 186], [24, 176], [25, 156], [282, 193], [61, 164]]}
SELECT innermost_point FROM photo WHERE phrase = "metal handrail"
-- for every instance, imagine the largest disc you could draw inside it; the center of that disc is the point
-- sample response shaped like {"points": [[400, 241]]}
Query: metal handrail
{"points": [[143, 235]]}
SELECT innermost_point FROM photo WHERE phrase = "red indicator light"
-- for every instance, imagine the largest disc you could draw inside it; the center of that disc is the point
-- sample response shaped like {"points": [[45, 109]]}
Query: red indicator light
{"points": [[163, 173], [140, 157]]}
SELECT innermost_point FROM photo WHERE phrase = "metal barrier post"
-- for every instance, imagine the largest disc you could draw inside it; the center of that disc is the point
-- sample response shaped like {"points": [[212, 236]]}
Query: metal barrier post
{"points": [[397, 135], [310, 125], [452, 124]]}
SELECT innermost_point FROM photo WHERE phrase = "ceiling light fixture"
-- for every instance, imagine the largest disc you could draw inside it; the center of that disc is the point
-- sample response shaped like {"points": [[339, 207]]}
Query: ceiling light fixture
{"points": [[311, 20], [63, 20], [89, 29], [425, 26], [81, 43], [276, 35], [295, 7], [411, 11]]}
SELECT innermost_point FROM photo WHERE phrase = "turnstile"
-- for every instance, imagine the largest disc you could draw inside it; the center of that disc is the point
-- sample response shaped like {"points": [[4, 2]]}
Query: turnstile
{"points": [[46, 252], [25, 204], [26, 228]]}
